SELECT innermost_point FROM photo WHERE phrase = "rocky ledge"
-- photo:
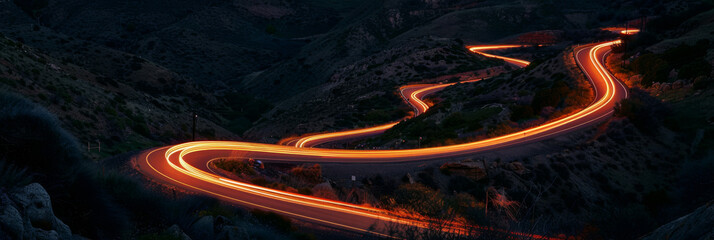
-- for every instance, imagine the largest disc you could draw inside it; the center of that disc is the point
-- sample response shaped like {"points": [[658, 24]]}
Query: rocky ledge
{"points": [[26, 213], [696, 225]]}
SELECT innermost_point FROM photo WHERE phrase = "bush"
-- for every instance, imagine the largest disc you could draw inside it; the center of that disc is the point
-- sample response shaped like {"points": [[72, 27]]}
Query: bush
{"points": [[692, 190], [31, 6], [275, 220], [652, 67], [552, 96], [683, 54], [33, 140], [643, 110], [311, 174], [420, 199], [521, 112], [464, 184], [688, 58], [655, 200], [12, 176], [236, 166], [702, 83], [695, 69]]}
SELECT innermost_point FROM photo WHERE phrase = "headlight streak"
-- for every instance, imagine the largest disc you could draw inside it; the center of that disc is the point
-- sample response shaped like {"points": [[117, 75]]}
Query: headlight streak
{"points": [[414, 100], [181, 158]]}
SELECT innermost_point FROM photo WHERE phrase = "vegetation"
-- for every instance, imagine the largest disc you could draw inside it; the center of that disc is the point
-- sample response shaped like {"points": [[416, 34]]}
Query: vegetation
{"points": [[379, 109], [12, 176], [310, 174], [279, 222], [33, 140], [242, 110], [552, 96], [31, 7], [687, 60], [430, 133], [95, 201], [644, 111], [238, 167], [304, 179]]}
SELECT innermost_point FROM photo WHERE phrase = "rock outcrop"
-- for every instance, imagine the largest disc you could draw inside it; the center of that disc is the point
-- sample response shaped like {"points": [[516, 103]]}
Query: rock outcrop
{"points": [[696, 225], [26, 213]]}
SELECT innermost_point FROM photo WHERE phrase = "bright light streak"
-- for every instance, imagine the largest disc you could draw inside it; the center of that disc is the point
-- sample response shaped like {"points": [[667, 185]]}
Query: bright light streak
{"points": [[414, 99], [630, 31], [517, 62], [181, 164]]}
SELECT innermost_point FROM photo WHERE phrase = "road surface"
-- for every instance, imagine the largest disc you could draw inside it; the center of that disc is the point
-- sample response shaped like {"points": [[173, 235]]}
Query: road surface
{"points": [[186, 165], [412, 94]]}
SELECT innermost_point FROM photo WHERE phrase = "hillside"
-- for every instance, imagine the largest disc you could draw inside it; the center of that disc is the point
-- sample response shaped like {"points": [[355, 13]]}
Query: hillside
{"points": [[366, 92], [207, 41], [379, 30], [139, 111], [133, 75], [621, 180], [545, 90]]}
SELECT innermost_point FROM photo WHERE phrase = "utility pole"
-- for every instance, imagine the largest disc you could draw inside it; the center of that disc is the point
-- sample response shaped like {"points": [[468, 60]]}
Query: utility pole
{"points": [[195, 117]]}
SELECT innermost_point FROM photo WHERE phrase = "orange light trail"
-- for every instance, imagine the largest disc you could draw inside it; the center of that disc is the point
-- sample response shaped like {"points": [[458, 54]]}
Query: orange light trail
{"points": [[630, 31], [185, 165], [414, 99], [517, 62]]}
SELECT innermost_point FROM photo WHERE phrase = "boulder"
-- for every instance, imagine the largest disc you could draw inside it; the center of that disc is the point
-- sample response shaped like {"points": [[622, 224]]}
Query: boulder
{"points": [[10, 220], [232, 233], [40, 234], [673, 74], [696, 225], [177, 233], [516, 167], [34, 204], [665, 87], [203, 228]]}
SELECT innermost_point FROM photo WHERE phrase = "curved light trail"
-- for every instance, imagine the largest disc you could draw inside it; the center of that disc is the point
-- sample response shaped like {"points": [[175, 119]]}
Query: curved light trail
{"points": [[412, 94], [185, 165]]}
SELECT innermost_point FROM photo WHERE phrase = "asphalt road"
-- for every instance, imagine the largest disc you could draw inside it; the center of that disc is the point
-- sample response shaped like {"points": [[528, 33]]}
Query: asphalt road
{"points": [[186, 165], [412, 94]]}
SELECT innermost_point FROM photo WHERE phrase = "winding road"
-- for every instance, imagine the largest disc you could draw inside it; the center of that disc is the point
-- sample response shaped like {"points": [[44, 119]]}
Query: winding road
{"points": [[412, 94], [186, 165]]}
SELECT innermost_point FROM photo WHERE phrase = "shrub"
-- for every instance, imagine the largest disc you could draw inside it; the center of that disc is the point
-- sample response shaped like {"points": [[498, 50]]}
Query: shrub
{"points": [[31, 6], [684, 54], [692, 190], [33, 140], [702, 83], [655, 200], [236, 166], [420, 199], [642, 110], [12, 176], [521, 112], [561, 169], [695, 69], [275, 220], [311, 174], [652, 67], [550, 96]]}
